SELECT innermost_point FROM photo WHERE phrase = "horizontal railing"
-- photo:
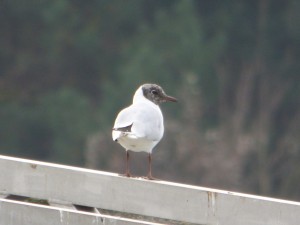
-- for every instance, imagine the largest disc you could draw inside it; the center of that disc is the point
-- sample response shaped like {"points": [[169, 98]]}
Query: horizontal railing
{"points": [[61, 190]]}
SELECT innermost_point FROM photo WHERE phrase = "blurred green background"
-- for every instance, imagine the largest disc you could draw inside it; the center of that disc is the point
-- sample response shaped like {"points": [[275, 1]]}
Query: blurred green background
{"points": [[67, 68]]}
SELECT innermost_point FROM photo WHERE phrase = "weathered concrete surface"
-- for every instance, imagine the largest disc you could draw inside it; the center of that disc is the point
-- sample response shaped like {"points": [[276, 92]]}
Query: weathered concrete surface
{"points": [[150, 198], [20, 213]]}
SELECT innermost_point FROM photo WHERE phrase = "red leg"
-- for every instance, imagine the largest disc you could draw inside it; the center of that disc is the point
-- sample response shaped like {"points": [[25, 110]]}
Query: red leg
{"points": [[127, 173], [149, 176]]}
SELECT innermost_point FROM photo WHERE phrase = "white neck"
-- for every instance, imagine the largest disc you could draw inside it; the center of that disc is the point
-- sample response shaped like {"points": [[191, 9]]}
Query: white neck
{"points": [[139, 95]]}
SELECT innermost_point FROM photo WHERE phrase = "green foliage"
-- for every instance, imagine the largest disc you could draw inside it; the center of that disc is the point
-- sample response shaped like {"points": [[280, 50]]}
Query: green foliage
{"points": [[67, 67], [69, 116], [23, 131], [166, 51], [54, 128]]}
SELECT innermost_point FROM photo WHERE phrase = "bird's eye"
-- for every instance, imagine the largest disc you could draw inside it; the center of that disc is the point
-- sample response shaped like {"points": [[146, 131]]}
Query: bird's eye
{"points": [[154, 92]]}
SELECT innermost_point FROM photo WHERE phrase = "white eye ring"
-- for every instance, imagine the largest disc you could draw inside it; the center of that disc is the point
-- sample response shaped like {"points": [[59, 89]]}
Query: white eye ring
{"points": [[154, 92]]}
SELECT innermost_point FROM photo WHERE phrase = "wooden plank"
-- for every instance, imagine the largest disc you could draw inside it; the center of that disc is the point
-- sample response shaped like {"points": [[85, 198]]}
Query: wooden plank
{"points": [[20, 213], [150, 198]]}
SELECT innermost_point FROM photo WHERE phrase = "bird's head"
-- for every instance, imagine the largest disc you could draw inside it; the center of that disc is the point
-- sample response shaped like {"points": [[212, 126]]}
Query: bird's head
{"points": [[156, 94]]}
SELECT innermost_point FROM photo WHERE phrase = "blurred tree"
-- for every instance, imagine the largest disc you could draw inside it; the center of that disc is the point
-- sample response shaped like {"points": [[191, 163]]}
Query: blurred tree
{"points": [[67, 67], [68, 115], [235, 75], [55, 128], [23, 132]]}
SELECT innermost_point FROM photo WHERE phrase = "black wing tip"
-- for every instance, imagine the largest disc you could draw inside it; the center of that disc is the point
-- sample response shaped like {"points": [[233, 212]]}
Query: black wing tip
{"points": [[123, 129]]}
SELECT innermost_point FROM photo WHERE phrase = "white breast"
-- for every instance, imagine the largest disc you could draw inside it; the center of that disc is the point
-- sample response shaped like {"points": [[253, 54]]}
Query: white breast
{"points": [[147, 125]]}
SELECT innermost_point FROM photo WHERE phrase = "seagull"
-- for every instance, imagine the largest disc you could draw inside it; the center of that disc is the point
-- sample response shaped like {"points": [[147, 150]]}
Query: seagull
{"points": [[140, 126]]}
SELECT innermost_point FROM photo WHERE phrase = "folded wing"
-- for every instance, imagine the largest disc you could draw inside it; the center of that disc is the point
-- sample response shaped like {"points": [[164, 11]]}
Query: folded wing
{"points": [[139, 121]]}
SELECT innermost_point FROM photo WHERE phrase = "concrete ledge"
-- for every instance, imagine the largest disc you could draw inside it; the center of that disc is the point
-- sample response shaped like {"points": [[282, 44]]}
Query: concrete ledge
{"points": [[160, 199], [20, 213]]}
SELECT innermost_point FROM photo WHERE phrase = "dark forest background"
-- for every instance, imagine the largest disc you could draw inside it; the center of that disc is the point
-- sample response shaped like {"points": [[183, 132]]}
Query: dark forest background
{"points": [[67, 68]]}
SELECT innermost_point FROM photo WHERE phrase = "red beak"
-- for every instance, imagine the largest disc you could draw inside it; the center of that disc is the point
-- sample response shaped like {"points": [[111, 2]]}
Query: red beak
{"points": [[170, 98]]}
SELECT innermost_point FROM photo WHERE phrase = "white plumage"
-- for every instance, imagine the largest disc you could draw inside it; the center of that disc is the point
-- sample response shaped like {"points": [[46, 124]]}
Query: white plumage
{"points": [[147, 125], [140, 126]]}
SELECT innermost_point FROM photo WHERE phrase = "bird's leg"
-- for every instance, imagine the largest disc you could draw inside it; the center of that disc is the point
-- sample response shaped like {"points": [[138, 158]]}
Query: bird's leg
{"points": [[149, 176], [127, 173]]}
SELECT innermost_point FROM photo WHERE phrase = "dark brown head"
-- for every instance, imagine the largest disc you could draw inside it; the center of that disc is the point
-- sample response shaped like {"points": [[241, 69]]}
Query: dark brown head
{"points": [[156, 94]]}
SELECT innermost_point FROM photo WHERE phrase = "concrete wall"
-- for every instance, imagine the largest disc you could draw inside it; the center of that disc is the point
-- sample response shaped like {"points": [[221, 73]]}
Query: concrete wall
{"points": [[161, 199]]}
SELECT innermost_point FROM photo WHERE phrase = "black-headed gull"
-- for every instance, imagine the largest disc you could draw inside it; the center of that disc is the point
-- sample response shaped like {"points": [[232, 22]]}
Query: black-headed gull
{"points": [[140, 126]]}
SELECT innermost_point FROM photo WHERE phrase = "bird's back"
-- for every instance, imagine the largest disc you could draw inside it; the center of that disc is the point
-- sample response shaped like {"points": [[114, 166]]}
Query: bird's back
{"points": [[144, 121]]}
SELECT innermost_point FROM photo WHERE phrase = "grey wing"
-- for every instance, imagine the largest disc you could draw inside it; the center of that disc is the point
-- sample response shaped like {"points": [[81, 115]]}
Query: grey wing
{"points": [[124, 119], [123, 123], [144, 121]]}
